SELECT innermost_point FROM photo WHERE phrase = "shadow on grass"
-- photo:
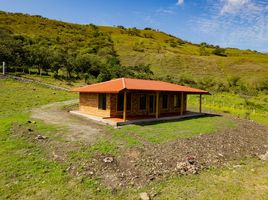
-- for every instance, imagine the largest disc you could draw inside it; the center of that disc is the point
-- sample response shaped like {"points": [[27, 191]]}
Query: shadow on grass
{"points": [[205, 115]]}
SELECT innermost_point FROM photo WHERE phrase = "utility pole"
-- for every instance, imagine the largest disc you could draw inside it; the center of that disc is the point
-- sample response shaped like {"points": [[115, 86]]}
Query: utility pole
{"points": [[4, 68]]}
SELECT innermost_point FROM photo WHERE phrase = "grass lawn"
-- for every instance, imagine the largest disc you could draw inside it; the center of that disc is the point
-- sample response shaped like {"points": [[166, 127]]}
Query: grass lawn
{"points": [[163, 132], [254, 108], [247, 179], [27, 173], [17, 97]]}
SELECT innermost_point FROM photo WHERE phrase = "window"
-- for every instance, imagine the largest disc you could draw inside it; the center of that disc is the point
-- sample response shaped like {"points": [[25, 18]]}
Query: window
{"points": [[128, 101], [120, 102], [165, 101], [177, 100], [102, 102], [143, 102], [152, 103]]}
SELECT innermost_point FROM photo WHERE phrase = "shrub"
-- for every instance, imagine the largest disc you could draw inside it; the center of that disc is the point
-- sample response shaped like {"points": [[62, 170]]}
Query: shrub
{"points": [[219, 51], [121, 27], [203, 51], [148, 35]]}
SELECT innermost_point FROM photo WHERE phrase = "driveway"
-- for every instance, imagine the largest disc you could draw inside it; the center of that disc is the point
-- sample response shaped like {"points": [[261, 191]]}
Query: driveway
{"points": [[74, 128]]}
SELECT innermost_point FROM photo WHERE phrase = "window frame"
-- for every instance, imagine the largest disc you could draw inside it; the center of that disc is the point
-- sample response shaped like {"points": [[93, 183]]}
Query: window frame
{"points": [[145, 101], [102, 101], [165, 108], [177, 100]]}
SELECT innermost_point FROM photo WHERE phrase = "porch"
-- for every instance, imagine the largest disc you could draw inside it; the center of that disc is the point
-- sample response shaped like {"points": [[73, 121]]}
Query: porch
{"points": [[137, 105], [117, 121]]}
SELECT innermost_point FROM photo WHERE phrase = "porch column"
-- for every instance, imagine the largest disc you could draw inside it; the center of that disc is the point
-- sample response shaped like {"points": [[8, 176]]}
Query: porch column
{"points": [[182, 103], [200, 103], [157, 106], [125, 106]]}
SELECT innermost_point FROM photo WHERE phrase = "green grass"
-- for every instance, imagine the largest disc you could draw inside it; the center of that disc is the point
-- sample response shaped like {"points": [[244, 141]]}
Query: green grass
{"points": [[254, 108], [247, 181], [163, 132], [18, 97], [51, 80], [27, 173], [102, 146]]}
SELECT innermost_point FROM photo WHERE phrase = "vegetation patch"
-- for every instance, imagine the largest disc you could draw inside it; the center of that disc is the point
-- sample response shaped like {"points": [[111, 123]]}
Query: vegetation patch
{"points": [[168, 131], [26, 96], [243, 106]]}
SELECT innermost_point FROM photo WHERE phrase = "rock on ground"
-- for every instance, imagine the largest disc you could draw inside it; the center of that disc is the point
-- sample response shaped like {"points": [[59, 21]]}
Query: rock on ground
{"points": [[144, 196]]}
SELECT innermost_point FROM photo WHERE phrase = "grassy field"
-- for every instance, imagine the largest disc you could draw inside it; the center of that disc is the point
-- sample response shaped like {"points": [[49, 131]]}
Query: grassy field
{"points": [[249, 107], [245, 180], [185, 61], [27, 173], [164, 132]]}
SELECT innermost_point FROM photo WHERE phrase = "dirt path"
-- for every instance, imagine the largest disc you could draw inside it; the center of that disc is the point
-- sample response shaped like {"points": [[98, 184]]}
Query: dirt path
{"points": [[74, 128]]}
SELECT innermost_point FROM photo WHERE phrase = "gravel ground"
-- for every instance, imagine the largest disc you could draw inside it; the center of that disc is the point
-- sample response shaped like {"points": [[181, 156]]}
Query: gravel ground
{"points": [[76, 128]]}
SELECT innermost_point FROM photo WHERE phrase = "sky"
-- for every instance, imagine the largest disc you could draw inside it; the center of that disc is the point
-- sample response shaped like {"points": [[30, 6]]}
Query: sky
{"points": [[228, 23]]}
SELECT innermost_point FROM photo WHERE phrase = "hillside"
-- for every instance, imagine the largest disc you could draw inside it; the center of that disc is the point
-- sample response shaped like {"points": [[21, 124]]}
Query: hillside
{"points": [[168, 56]]}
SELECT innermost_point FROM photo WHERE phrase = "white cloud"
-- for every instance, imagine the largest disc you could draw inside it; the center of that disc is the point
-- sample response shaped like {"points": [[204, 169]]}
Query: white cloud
{"points": [[165, 11], [241, 23], [233, 6], [180, 2]]}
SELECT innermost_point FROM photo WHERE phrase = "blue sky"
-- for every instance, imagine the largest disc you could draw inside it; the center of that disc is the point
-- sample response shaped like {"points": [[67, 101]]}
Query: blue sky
{"points": [[228, 23]]}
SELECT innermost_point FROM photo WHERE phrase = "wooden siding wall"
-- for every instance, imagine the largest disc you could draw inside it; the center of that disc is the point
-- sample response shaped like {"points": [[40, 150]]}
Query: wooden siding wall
{"points": [[89, 104], [135, 105]]}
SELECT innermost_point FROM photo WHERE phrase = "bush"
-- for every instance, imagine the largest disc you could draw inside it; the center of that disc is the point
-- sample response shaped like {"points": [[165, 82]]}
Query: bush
{"points": [[203, 51], [264, 85], [138, 47], [121, 27], [219, 51], [148, 35], [133, 32]]}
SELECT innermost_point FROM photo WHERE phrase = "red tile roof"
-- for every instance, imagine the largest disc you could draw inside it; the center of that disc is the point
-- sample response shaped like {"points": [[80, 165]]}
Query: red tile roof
{"points": [[117, 85]]}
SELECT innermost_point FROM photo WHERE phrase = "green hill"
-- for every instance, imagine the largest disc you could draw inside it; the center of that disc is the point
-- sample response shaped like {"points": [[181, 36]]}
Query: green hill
{"points": [[169, 57]]}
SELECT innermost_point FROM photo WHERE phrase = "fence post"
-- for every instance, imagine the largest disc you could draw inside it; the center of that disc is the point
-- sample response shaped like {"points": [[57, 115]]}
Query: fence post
{"points": [[4, 68]]}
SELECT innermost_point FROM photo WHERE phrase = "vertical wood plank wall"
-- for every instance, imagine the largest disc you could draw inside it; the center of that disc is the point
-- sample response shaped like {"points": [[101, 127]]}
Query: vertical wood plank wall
{"points": [[89, 105]]}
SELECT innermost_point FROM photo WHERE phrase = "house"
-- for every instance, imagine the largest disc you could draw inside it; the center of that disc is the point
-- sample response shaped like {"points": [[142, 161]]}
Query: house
{"points": [[128, 99]]}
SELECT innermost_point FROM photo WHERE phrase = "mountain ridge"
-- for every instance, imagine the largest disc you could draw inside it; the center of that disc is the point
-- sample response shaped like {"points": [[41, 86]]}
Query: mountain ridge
{"points": [[169, 57]]}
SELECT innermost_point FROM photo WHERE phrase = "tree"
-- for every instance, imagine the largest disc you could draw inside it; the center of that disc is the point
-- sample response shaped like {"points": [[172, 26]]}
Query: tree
{"points": [[38, 56], [70, 64], [57, 60]]}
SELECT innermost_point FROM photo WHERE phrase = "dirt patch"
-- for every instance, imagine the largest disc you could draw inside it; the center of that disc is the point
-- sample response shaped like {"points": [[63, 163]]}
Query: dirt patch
{"points": [[75, 128], [55, 150], [140, 166]]}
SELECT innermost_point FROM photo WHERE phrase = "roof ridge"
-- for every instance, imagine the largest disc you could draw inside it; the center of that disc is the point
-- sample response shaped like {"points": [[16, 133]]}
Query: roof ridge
{"points": [[101, 83], [124, 83], [119, 84]]}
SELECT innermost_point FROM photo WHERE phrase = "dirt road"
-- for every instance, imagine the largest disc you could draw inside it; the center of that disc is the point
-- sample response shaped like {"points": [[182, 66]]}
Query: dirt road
{"points": [[74, 128]]}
